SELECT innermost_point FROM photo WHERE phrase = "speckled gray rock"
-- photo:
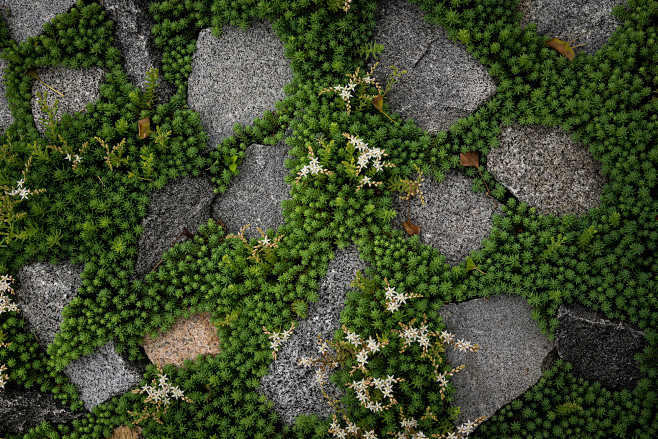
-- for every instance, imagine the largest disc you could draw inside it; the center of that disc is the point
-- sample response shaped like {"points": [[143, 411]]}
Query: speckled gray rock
{"points": [[293, 388], [79, 87], [102, 375], [590, 21], [28, 16], [599, 349], [42, 292], [132, 33], [23, 409], [236, 78], [6, 118], [182, 203], [544, 168], [512, 350], [443, 82], [254, 196], [454, 219]]}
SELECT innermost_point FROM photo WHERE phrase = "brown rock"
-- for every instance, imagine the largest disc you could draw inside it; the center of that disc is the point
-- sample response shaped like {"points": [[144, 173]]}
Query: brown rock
{"points": [[185, 340], [125, 432]]}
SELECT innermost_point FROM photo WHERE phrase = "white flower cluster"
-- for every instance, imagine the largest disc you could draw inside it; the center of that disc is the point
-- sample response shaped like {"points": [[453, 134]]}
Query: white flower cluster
{"points": [[395, 299], [342, 433], [163, 393], [345, 92], [313, 168], [367, 154], [19, 190], [385, 386], [276, 338], [5, 303]]}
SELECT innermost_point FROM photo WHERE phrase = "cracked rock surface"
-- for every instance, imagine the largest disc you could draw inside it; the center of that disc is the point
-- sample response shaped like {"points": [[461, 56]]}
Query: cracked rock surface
{"points": [[443, 82]]}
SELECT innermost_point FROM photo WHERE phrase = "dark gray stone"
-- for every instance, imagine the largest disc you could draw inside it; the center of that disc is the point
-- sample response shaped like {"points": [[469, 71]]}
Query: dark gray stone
{"points": [[599, 349], [102, 375], [132, 33], [42, 292], [27, 17], [236, 78], [512, 351], [6, 118], [293, 388], [454, 219], [182, 203], [79, 87], [254, 196], [443, 82], [586, 21], [25, 409], [544, 168]]}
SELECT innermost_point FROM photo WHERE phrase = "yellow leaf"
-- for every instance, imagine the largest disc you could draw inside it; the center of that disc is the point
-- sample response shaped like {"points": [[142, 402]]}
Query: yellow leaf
{"points": [[378, 102], [562, 47], [144, 127], [471, 158]]}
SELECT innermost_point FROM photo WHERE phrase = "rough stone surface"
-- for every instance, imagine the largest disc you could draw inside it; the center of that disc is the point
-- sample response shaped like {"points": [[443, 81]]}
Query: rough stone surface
{"points": [[182, 203], [132, 33], [79, 87], [125, 432], [254, 196], [590, 21], [42, 292], [443, 82], [292, 387], [102, 375], [512, 350], [185, 340], [28, 16], [236, 78], [542, 167], [6, 117], [454, 219], [25, 409], [599, 349]]}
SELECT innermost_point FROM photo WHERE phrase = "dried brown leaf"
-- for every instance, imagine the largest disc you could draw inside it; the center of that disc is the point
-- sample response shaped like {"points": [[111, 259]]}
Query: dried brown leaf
{"points": [[378, 102], [562, 47], [144, 127], [471, 158], [411, 228]]}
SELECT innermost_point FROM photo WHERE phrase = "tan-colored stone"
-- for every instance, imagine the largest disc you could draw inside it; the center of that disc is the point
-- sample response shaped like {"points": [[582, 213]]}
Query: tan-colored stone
{"points": [[124, 432], [185, 340]]}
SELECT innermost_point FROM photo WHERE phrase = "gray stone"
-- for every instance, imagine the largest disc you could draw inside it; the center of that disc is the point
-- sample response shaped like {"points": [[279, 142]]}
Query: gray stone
{"points": [[42, 292], [79, 87], [443, 82], [25, 409], [293, 388], [102, 375], [254, 196], [512, 351], [544, 168], [599, 349], [236, 78], [586, 21], [454, 219], [182, 203], [27, 17], [132, 33], [6, 118]]}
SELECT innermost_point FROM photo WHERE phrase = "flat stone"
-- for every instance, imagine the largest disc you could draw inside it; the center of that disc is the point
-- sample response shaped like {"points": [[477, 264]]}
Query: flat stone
{"points": [[293, 388], [188, 338], [79, 87], [544, 168], [132, 34], [590, 21], [6, 118], [443, 82], [125, 432], [42, 293], [236, 78], [182, 203], [512, 351], [599, 349], [28, 16], [454, 219], [102, 375], [23, 409], [254, 196]]}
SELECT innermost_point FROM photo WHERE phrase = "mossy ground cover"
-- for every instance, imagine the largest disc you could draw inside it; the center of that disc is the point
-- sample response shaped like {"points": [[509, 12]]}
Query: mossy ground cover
{"points": [[605, 259]]}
